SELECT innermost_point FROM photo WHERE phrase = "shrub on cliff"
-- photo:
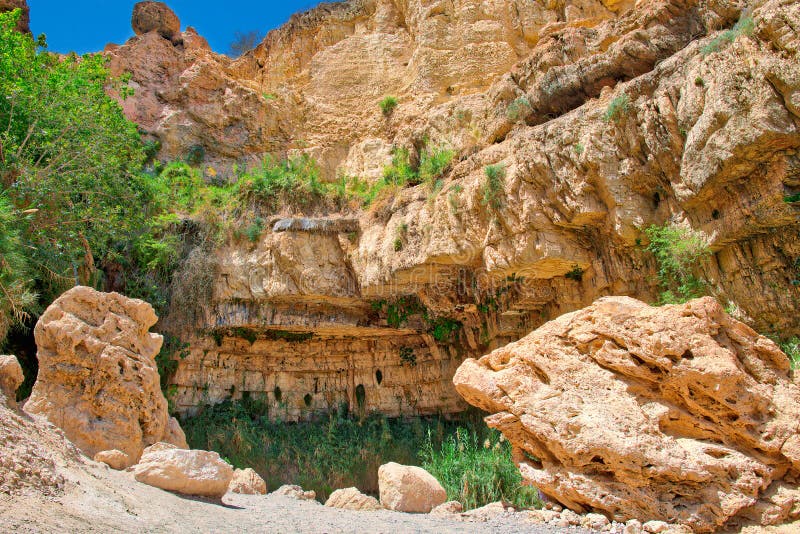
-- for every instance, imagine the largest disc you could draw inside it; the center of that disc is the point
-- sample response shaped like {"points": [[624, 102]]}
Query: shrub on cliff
{"points": [[678, 251]]}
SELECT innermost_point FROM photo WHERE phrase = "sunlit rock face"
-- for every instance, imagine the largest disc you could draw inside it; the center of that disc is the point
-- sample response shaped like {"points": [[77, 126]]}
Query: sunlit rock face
{"points": [[678, 413], [606, 117]]}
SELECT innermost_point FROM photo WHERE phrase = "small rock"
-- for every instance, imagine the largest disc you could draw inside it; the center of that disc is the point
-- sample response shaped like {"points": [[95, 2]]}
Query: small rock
{"points": [[655, 527], [634, 526], [247, 482], [114, 459], [295, 492], [352, 499], [542, 516], [485, 513], [594, 521], [11, 378], [406, 488], [190, 472], [571, 517], [448, 508]]}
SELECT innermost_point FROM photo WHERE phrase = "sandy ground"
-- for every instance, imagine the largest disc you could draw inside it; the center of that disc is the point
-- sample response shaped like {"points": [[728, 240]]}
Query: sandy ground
{"points": [[101, 500]]}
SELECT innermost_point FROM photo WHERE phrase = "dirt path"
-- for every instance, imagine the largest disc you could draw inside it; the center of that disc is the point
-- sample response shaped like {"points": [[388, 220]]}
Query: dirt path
{"points": [[103, 501]]}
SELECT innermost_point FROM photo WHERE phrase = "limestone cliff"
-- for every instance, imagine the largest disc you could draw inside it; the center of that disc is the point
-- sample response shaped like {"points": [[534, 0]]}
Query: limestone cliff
{"points": [[606, 116]]}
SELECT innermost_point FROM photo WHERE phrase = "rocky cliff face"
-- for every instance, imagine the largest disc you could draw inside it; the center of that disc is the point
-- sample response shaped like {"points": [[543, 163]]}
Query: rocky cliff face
{"points": [[606, 116]]}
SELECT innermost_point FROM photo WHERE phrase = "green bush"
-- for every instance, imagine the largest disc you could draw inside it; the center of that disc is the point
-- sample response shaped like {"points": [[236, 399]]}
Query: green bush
{"points": [[618, 107], [255, 229], [678, 250], [433, 163], [744, 26], [493, 186], [388, 104], [792, 349], [400, 172], [332, 452], [476, 470], [16, 281]]}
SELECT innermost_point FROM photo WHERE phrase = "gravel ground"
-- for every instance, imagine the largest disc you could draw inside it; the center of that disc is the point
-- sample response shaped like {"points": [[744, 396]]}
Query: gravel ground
{"points": [[101, 500]]}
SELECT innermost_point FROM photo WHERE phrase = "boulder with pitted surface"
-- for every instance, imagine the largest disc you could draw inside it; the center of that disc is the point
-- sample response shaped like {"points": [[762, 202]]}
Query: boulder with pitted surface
{"points": [[679, 414]]}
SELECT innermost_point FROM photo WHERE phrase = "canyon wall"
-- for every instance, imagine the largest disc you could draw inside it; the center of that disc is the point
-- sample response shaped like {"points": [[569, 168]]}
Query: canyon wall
{"points": [[607, 117]]}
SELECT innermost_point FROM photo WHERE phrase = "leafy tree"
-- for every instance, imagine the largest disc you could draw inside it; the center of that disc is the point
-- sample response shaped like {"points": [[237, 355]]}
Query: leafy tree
{"points": [[70, 162], [16, 297]]}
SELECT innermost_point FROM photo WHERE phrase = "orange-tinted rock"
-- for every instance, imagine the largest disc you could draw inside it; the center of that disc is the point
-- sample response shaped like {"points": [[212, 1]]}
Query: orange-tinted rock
{"points": [[247, 482], [98, 380], [407, 488], [155, 17], [624, 405]]}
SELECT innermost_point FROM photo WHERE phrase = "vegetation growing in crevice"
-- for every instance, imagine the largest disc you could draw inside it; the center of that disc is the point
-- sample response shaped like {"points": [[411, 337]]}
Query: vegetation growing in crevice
{"points": [[518, 109], [618, 107], [744, 26], [408, 356], [388, 104], [678, 251], [791, 347], [493, 186]]}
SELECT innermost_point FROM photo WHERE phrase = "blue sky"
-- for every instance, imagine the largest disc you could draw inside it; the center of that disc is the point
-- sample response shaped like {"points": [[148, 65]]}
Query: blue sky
{"points": [[88, 25]]}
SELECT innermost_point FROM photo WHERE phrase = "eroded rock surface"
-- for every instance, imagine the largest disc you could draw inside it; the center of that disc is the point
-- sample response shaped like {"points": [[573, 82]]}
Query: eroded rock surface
{"points": [[678, 413], [247, 482], [191, 472], [407, 488], [11, 378], [352, 499], [155, 17], [98, 379]]}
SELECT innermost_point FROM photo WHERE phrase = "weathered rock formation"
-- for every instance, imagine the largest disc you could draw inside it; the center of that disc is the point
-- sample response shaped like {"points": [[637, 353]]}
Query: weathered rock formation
{"points": [[607, 117], [98, 379], [11, 379], [190, 472], [352, 499], [407, 488], [247, 482], [679, 413], [155, 17], [295, 492], [114, 459]]}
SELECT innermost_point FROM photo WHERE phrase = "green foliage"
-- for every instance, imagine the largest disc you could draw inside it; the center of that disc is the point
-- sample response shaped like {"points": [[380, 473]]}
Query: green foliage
{"points": [[400, 172], [443, 329], [16, 280], [518, 109], [618, 107], [388, 104], [332, 452], [789, 199], [699, 81], [493, 186], [744, 26], [399, 310], [477, 470], [433, 163], [579, 148], [677, 251], [195, 155], [167, 360], [576, 273], [792, 349], [274, 184], [255, 229]]}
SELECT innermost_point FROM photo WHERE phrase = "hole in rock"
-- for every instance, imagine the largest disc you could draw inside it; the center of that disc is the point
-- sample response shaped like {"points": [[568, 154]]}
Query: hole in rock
{"points": [[687, 355], [307, 399], [656, 199], [378, 376], [277, 393], [598, 460], [361, 396], [715, 214]]}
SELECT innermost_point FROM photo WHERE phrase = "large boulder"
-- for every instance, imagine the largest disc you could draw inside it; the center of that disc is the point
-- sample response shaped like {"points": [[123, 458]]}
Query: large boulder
{"points": [[190, 472], [155, 17], [679, 413], [11, 378], [407, 488], [98, 379], [247, 482], [23, 24], [352, 499]]}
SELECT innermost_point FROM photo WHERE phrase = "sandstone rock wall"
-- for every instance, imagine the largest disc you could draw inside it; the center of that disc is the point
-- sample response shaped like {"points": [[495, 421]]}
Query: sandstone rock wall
{"points": [[706, 136]]}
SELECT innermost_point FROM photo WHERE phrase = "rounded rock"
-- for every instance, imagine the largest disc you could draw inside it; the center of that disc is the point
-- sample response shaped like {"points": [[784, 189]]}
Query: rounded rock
{"points": [[406, 488], [155, 17]]}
